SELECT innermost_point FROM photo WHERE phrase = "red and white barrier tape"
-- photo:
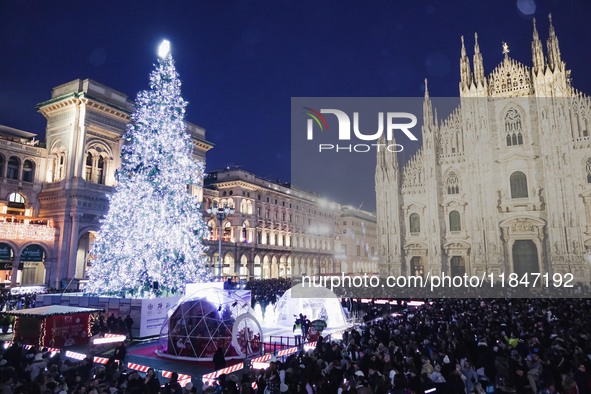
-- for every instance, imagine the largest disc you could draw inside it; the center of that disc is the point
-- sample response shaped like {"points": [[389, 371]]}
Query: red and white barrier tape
{"points": [[262, 358], [215, 374], [101, 360], [29, 347], [168, 374], [138, 367], [75, 356], [183, 379]]}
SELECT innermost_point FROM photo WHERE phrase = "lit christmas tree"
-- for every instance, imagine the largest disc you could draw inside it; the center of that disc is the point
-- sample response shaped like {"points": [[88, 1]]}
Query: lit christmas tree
{"points": [[154, 229]]}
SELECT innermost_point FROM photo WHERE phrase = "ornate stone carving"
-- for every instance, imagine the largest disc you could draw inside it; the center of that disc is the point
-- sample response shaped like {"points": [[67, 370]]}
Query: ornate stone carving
{"points": [[522, 226]]}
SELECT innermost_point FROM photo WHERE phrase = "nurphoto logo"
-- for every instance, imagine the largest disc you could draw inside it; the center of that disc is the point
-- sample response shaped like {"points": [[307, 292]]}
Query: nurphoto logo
{"points": [[389, 121]]}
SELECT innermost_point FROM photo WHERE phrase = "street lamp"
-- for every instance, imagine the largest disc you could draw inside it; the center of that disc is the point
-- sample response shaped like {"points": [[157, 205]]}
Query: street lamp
{"points": [[221, 213]]}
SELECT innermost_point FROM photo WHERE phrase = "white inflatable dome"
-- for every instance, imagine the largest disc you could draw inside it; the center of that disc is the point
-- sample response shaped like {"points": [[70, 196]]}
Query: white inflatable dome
{"points": [[314, 303]]}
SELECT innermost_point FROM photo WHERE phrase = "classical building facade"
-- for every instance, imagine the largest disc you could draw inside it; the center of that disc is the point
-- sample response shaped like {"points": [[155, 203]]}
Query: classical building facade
{"points": [[279, 231], [502, 184], [53, 194], [356, 242]]}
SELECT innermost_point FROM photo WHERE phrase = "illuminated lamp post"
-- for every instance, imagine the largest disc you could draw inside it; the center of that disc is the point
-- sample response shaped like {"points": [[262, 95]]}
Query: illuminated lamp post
{"points": [[220, 213]]}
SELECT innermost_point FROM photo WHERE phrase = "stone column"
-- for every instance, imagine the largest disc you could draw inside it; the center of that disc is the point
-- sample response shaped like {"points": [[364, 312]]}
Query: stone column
{"points": [[63, 227], [50, 266], [16, 260], [71, 270], [94, 171]]}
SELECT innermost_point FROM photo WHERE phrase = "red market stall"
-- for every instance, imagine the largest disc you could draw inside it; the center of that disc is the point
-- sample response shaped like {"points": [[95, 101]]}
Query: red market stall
{"points": [[54, 326]]}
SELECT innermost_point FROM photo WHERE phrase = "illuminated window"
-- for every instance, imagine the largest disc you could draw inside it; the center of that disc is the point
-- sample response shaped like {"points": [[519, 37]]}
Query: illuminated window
{"points": [[16, 198], [227, 232]]}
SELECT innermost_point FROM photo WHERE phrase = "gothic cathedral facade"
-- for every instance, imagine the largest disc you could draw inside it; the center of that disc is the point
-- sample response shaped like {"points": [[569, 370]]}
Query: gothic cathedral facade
{"points": [[502, 184]]}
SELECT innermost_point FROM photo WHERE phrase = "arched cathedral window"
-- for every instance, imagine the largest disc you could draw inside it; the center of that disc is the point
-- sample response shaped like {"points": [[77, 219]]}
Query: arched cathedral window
{"points": [[518, 183], [415, 223], [455, 223], [588, 170], [513, 128], [452, 183]]}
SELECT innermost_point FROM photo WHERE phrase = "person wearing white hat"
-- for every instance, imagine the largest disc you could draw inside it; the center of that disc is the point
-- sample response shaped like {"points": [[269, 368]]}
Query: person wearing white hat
{"points": [[37, 366]]}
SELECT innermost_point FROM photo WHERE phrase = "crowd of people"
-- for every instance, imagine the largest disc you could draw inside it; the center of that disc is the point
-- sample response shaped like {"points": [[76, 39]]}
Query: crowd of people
{"points": [[267, 291], [445, 346], [38, 371], [456, 346], [11, 301], [113, 325]]}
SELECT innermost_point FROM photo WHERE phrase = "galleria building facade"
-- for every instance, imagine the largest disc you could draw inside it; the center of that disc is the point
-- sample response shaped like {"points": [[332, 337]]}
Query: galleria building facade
{"points": [[502, 184]]}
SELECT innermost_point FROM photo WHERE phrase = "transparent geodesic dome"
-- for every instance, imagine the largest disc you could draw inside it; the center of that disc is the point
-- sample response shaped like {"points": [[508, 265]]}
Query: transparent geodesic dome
{"points": [[315, 303], [201, 323]]}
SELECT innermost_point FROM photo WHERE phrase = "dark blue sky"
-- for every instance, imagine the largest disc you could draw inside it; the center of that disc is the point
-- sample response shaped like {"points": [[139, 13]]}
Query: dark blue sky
{"points": [[242, 61]]}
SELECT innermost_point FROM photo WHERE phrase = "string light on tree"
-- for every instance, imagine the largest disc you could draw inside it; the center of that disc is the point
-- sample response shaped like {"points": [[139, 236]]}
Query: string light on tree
{"points": [[153, 231]]}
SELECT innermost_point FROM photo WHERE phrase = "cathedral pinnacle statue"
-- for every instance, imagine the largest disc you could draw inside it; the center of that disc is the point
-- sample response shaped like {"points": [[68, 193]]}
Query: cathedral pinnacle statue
{"points": [[505, 49]]}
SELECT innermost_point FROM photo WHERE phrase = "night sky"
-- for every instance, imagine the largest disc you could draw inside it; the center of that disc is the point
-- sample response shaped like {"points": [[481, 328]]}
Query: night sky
{"points": [[242, 61]]}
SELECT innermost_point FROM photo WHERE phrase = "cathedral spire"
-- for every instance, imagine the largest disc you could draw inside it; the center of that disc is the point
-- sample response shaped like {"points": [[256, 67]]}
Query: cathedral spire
{"points": [[537, 52], [465, 74], [427, 109], [478, 65], [554, 60]]}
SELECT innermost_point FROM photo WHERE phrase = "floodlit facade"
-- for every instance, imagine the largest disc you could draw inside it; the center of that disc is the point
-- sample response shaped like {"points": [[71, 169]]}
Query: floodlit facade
{"points": [[279, 231], [502, 184]]}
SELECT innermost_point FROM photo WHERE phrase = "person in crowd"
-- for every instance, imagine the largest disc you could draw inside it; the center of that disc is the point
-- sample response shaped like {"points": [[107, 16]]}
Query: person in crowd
{"points": [[219, 360], [151, 382], [111, 323], [297, 329], [305, 326], [173, 386], [128, 325], [120, 353], [470, 376]]}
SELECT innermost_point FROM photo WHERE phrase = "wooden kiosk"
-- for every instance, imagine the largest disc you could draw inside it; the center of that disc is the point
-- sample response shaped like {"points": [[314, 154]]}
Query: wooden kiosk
{"points": [[53, 326]]}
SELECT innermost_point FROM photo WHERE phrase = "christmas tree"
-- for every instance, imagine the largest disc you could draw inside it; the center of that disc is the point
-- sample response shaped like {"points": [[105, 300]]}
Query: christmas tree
{"points": [[150, 242]]}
